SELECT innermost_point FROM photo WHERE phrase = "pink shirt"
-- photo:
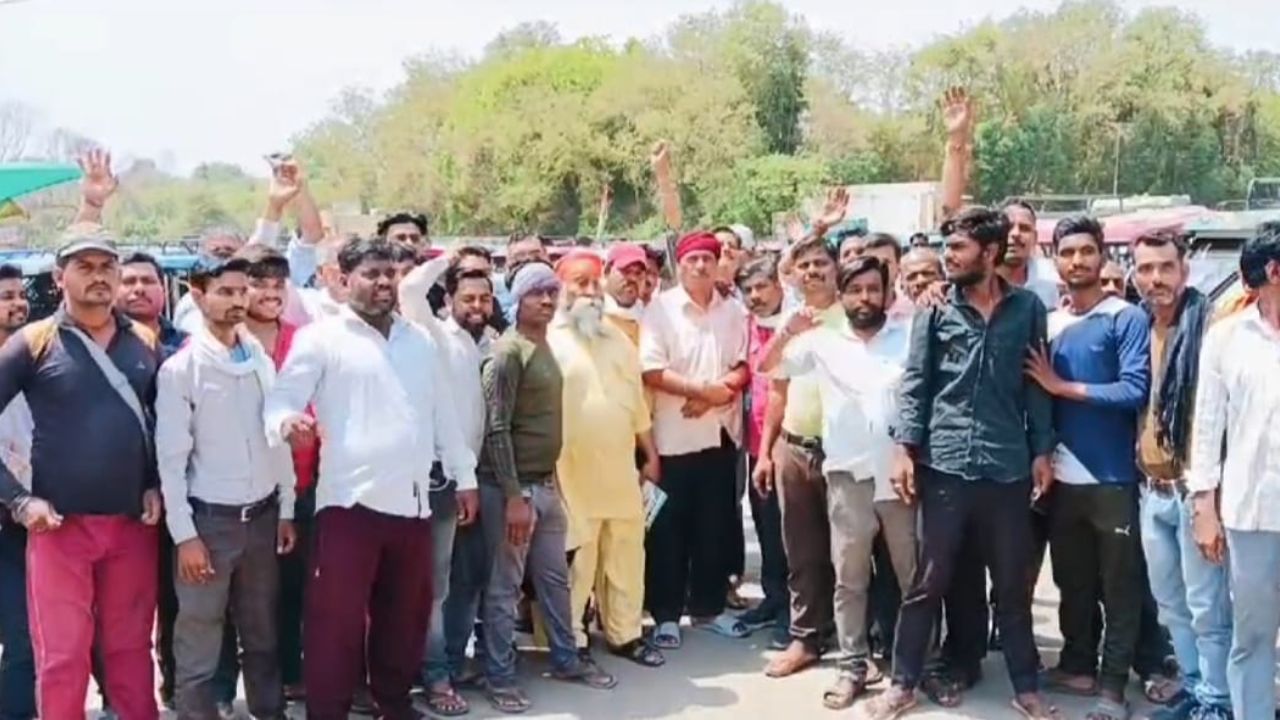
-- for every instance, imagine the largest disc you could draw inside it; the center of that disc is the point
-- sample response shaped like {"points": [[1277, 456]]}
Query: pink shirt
{"points": [[757, 338]]}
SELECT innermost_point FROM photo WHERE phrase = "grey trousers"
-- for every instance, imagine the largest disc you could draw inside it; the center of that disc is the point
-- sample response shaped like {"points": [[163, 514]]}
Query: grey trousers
{"points": [[246, 579], [444, 526], [856, 518], [549, 569]]}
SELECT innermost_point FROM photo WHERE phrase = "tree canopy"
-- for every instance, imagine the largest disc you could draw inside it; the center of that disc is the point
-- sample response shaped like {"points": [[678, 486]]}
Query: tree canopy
{"points": [[761, 110]]}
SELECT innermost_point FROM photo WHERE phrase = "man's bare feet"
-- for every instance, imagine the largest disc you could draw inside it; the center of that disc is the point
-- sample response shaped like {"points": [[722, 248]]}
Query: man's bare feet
{"points": [[1033, 707], [795, 658]]}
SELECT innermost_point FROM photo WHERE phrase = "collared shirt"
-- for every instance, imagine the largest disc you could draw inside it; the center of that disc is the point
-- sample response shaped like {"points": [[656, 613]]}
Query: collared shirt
{"points": [[702, 345], [379, 403], [965, 403], [1108, 350], [625, 319], [89, 454], [803, 414], [210, 445], [758, 336], [604, 410], [858, 380], [306, 458], [1239, 394]]}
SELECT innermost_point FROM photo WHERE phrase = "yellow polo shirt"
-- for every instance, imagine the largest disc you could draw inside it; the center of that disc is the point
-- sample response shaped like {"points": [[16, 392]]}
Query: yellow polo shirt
{"points": [[803, 414]]}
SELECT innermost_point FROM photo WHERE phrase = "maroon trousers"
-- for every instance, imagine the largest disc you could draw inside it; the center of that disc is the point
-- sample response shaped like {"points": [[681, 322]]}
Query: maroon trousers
{"points": [[370, 571]]}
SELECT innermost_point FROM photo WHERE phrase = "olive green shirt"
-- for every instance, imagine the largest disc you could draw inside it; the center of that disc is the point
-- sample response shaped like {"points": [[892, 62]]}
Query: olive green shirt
{"points": [[522, 390]]}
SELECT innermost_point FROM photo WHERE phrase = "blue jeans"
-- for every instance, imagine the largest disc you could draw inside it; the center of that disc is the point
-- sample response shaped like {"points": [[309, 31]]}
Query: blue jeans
{"points": [[1255, 565], [18, 666], [1193, 596], [444, 526], [544, 554]]}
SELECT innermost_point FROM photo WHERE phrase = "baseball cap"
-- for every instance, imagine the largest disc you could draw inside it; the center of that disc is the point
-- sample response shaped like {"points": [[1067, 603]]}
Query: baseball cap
{"points": [[86, 237], [624, 255]]}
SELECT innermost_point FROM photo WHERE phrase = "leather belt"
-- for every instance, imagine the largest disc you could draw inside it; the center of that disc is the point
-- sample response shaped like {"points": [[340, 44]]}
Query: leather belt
{"points": [[243, 513], [808, 443]]}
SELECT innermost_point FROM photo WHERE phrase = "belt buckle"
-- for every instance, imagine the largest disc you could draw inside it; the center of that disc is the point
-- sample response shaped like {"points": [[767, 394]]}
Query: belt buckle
{"points": [[244, 513]]}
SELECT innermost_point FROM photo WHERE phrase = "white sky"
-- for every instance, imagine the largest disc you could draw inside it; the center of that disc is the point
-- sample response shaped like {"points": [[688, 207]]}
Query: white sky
{"points": [[185, 81]]}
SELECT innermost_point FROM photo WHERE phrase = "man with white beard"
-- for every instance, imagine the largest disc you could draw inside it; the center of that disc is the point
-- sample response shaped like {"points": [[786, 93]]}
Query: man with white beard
{"points": [[606, 418]]}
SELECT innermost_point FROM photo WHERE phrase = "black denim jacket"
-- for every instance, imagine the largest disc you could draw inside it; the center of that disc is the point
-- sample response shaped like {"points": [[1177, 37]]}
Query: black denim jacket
{"points": [[965, 405]]}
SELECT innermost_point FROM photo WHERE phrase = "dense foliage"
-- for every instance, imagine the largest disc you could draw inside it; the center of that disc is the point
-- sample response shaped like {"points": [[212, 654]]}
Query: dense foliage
{"points": [[762, 110]]}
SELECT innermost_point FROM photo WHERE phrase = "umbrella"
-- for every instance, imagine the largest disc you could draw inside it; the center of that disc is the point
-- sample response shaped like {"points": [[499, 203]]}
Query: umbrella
{"points": [[21, 179]]}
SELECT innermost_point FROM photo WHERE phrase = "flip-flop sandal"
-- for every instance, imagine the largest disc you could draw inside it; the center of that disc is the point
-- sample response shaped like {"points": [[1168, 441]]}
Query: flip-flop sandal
{"points": [[878, 708], [509, 701], [1057, 681], [667, 636], [841, 695], [726, 625], [1109, 710], [447, 703], [640, 653], [942, 691], [587, 676], [1051, 712]]}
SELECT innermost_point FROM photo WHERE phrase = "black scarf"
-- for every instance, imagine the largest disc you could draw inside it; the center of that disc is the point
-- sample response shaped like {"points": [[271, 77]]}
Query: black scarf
{"points": [[1180, 368]]}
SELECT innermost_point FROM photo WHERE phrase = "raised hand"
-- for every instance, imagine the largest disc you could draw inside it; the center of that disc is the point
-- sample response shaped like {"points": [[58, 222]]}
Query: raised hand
{"points": [[98, 183], [286, 182], [834, 209], [661, 156], [957, 112]]}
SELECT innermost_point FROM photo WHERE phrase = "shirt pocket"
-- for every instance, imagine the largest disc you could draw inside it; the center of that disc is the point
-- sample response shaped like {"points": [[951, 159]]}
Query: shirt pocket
{"points": [[956, 345]]}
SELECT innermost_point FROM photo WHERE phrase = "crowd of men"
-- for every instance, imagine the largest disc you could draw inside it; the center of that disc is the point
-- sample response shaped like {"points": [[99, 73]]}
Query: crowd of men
{"points": [[343, 464]]}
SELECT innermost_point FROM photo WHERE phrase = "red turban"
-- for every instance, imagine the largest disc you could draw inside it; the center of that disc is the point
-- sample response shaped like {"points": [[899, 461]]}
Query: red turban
{"points": [[578, 262], [701, 241]]}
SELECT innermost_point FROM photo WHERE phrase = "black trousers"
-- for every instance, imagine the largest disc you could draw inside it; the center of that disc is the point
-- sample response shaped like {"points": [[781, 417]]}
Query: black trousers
{"points": [[1094, 537], [737, 533], [686, 550], [767, 519], [996, 515]]}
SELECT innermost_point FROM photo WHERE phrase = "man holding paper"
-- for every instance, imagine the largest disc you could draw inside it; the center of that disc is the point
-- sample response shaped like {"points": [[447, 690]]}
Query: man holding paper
{"points": [[605, 419]]}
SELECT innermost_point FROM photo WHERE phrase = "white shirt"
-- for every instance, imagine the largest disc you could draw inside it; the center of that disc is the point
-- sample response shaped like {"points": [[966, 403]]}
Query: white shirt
{"points": [[858, 381], [209, 440], [1042, 279], [384, 410], [702, 345], [16, 427], [1238, 393]]}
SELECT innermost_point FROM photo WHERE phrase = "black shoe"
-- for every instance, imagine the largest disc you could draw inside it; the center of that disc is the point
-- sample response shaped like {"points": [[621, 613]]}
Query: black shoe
{"points": [[760, 616]]}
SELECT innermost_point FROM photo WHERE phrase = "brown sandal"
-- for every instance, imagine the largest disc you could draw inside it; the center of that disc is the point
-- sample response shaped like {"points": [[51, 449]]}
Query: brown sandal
{"points": [[846, 689]]}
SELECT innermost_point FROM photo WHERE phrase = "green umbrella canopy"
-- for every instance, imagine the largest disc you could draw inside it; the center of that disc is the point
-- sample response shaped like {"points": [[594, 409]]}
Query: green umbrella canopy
{"points": [[20, 179]]}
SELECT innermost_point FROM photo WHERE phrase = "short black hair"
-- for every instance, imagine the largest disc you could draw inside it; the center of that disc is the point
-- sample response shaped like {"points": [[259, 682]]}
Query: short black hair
{"points": [[918, 238], [654, 255], [1258, 253], [264, 261], [765, 266], [857, 231], [479, 251], [1020, 203], [879, 240], [985, 226], [10, 272], [357, 250], [454, 276], [516, 237], [859, 266], [211, 269], [400, 218], [1164, 238], [811, 243], [403, 253], [141, 258], [1079, 225]]}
